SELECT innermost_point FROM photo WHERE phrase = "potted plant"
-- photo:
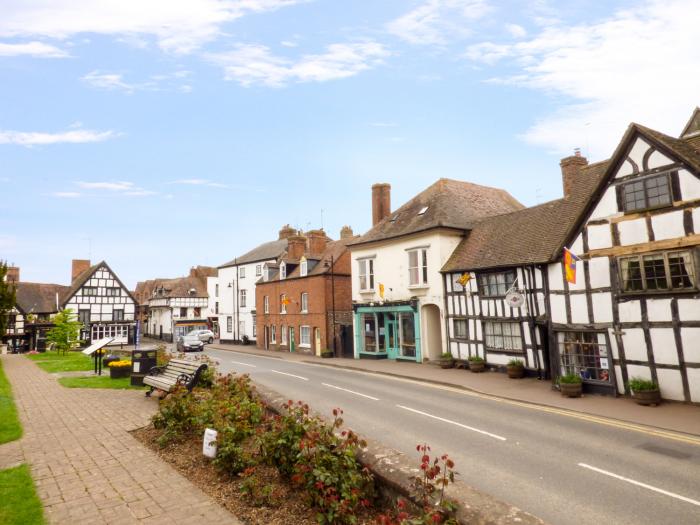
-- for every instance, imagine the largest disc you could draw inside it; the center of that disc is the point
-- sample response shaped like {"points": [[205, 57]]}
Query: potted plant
{"points": [[119, 369], [515, 368], [477, 364], [644, 391], [446, 360], [327, 353], [570, 385]]}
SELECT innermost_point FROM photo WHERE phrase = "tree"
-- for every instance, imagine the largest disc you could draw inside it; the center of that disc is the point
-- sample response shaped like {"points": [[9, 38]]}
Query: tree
{"points": [[7, 297], [65, 332]]}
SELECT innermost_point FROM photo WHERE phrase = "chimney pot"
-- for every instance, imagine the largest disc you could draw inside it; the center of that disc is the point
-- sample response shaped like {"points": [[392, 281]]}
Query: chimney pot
{"points": [[317, 241], [296, 246], [346, 232], [381, 202], [286, 232], [12, 275], [571, 169], [79, 266]]}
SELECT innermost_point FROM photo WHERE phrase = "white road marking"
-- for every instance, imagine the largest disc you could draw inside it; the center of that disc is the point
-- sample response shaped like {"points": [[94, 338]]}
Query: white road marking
{"points": [[640, 484], [290, 375], [495, 436], [351, 391], [244, 364]]}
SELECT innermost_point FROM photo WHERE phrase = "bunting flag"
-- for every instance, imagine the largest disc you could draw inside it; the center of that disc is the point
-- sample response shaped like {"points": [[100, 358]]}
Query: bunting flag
{"points": [[570, 265], [464, 279]]}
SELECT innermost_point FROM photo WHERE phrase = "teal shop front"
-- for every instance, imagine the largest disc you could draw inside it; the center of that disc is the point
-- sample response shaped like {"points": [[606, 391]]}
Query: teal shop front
{"points": [[389, 331]]}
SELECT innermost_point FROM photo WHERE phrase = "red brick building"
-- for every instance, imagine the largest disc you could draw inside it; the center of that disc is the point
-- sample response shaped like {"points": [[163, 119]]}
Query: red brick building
{"points": [[304, 299]]}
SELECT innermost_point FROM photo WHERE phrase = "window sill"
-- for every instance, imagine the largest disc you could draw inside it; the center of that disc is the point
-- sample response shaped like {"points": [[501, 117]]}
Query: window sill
{"points": [[418, 286], [367, 291], [304, 346], [304, 312]]}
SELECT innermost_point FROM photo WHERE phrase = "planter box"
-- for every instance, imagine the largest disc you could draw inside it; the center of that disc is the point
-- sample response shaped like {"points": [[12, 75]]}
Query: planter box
{"points": [[647, 397], [571, 389], [515, 372], [477, 366], [446, 363], [117, 372]]}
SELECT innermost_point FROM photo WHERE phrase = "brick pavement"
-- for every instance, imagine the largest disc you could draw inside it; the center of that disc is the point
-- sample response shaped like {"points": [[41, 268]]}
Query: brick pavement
{"points": [[86, 466]]}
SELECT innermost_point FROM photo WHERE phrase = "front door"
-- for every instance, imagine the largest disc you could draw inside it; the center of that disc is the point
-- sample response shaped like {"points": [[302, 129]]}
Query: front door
{"points": [[317, 337], [267, 339], [391, 338], [291, 339]]}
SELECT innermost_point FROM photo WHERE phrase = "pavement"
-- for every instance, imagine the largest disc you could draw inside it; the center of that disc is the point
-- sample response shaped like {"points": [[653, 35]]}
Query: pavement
{"points": [[86, 466], [673, 416]]}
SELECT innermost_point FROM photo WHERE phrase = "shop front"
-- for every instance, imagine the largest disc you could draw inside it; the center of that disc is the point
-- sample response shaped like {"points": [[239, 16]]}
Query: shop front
{"points": [[389, 331], [586, 353]]}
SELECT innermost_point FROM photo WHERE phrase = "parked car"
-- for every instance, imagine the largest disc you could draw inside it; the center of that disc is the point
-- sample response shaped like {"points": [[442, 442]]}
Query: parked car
{"points": [[190, 343], [206, 336]]}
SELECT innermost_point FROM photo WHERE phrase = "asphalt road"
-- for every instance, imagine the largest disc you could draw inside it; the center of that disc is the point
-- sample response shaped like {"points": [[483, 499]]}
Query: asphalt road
{"points": [[563, 469]]}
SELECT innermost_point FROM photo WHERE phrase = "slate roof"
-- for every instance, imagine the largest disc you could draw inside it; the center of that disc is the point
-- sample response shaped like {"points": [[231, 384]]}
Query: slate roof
{"points": [[450, 204], [528, 236], [38, 298], [334, 249], [266, 251], [178, 286]]}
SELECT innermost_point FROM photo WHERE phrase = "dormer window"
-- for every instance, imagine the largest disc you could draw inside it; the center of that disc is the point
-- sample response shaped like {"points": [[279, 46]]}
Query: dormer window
{"points": [[423, 210], [283, 271], [304, 267]]}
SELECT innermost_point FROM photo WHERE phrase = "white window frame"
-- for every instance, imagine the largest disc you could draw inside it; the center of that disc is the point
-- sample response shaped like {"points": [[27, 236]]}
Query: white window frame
{"points": [[283, 335], [241, 272], [496, 329], [304, 329], [229, 324], [283, 271], [266, 304], [366, 274], [242, 298], [273, 334], [421, 267], [304, 302], [462, 321], [258, 270], [304, 268], [283, 307]]}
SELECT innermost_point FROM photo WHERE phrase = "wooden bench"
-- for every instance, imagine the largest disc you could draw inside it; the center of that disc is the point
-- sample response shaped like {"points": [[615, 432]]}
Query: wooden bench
{"points": [[177, 372]]}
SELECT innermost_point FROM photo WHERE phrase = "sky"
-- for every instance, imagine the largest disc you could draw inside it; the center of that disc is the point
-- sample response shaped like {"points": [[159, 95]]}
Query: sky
{"points": [[162, 134]]}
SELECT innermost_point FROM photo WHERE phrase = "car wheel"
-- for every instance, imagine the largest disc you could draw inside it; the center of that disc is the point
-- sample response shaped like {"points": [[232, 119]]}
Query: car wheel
{"points": [[211, 340]]}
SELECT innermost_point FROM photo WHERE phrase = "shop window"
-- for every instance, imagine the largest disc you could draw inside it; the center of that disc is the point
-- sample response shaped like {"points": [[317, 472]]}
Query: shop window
{"points": [[496, 284], [584, 354], [503, 336], [657, 272], [460, 328], [369, 332], [407, 331]]}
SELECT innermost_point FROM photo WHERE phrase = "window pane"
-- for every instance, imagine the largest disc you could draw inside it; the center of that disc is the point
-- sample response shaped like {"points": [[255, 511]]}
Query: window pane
{"points": [[369, 331], [680, 265], [655, 272], [584, 354], [460, 328], [658, 193], [408, 335], [631, 275]]}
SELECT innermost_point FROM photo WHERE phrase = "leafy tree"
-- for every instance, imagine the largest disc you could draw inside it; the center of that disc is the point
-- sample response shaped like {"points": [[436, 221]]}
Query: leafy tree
{"points": [[65, 332], [7, 298]]}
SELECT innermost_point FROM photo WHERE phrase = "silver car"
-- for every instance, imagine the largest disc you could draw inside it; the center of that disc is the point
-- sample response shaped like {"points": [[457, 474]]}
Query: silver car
{"points": [[206, 336], [190, 343]]}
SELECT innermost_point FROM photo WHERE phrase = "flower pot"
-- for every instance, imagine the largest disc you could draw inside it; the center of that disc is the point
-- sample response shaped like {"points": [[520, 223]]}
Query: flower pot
{"points": [[571, 389], [447, 363], [647, 397], [327, 355], [515, 372], [477, 366], [116, 372]]}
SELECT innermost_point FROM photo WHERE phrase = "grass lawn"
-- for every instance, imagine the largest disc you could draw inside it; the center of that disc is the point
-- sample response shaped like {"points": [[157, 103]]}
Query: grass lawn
{"points": [[19, 504], [103, 381], [10, 428], [54, 362]]}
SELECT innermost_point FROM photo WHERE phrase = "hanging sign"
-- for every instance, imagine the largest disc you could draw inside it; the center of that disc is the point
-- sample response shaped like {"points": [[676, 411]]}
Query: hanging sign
{"points": [[515, 299], [464, 279]]}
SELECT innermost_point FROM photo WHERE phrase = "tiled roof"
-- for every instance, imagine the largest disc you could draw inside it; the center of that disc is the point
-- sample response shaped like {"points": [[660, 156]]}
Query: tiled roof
{"points": [[334, 249], [528, 236], [681, 148], [38, 298], [448, 203], [178, 286], [268, 250], [79, 281]]}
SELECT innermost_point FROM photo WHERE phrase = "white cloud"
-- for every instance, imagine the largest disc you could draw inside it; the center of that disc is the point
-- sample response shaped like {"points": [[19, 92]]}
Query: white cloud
{"points": [[109, 81], [288, 43], [116, 82], [200, 182], [66, 194], [39, 138], [110, 186], [35, 49], [383, 124], [638, 65], [436, 22], [516, 31], [254, 64], [179, 26]]}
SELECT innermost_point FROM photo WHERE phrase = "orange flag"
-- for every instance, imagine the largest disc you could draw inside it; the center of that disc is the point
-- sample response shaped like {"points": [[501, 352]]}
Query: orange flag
{"points": [[570, 265]]}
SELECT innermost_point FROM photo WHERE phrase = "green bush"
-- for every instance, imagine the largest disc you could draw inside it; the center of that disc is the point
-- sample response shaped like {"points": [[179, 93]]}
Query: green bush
{"points": [[446, 355], [516, 363], [570, 379], [179, 415], [639, 384], [476, 359]]}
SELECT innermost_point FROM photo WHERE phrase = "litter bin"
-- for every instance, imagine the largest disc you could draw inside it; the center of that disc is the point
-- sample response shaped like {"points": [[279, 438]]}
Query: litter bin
{"points": [[141, 362]]}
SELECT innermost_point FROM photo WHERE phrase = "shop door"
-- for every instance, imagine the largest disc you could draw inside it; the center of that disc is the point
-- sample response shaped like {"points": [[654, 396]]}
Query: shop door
{"points": [[391, 339], [291, 339]]}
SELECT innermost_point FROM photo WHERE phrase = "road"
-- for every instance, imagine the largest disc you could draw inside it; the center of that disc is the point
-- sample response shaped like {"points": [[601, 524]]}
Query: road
{"points": [[563, 469]]}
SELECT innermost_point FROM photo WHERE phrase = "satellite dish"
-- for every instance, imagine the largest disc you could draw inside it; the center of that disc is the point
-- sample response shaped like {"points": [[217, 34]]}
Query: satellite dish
{"points": [[514, 299]]}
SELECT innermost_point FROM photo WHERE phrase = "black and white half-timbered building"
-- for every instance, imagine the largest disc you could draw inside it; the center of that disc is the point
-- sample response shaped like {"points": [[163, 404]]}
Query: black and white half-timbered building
{"points": [[103, 304], [634, 310]]}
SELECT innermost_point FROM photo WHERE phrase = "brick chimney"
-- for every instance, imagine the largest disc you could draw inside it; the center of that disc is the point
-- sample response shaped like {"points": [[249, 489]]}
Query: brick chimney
{"points": [[317, 241], [12, 275], [296, 247], [381, 202], [78, 267], [346, 232], [286, 232], [570, 169]]}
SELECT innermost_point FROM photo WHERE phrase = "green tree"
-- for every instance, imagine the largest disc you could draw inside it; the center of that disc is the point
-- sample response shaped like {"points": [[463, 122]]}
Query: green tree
{"points": [[65, 332], [7, 298]]}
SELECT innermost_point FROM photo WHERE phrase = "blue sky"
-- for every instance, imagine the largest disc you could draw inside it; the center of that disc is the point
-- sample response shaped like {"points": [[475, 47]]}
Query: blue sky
{"points": [[163, 134]]}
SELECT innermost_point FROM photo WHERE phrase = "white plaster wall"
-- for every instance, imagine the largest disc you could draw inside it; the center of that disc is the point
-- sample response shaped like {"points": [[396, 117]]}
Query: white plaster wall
{"points": [[668, 225], [577, 245], [602, 307], [579, 309], [633, 232], [607, 205], [635, 347], [694, 384], [657, 160], [696, 219], [690, 185], [211, 292], [664, 345], [599, 268], [659, 309], [689, 309], [554, 274], [690, 336], [630, 312], [636, 153], [558, 308], [599, 236], [670, 383], [638, 371]]}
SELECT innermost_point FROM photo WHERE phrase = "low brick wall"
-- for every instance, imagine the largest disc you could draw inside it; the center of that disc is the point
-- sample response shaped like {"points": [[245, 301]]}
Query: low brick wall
{"points": [[394, 472]]}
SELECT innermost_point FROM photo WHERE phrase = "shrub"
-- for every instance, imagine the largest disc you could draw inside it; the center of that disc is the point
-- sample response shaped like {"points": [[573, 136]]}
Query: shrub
{"points": [[639, 384], [260, 495], [446, 355], [476, 359], [178, 415], [570, 379], [516, 363]]}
